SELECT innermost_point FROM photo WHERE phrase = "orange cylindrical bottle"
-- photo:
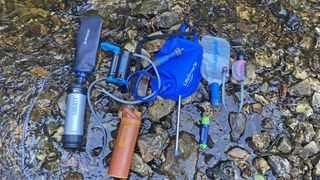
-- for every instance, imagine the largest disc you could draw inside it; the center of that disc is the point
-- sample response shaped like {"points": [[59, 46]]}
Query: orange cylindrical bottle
{"points": [[126, 140]]}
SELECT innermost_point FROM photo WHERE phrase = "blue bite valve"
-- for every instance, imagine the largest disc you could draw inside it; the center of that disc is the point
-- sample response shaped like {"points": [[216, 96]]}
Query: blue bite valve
{"points": [[215, 95]]}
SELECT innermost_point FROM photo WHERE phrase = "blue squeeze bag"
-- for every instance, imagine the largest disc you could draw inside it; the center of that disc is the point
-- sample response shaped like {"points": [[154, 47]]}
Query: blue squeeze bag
{"points": [[180, 75]]}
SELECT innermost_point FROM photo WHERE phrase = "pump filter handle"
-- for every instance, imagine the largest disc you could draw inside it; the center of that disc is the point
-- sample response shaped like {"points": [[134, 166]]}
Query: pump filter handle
{"points": [[87, 46]]}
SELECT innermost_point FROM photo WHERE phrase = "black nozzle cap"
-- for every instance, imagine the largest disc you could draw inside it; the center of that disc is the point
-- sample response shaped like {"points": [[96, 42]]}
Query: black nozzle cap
{"points": [[72, 141]]}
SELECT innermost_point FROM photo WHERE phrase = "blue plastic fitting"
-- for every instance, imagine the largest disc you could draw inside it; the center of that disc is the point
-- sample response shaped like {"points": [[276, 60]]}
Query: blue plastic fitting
{"points": [[165, 58], [215, 95], [110, 47], [119, 82]]}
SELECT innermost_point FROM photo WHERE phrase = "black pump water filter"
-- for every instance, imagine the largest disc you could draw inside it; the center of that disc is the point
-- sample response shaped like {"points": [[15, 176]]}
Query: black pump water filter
{"points": [[84, 64]]}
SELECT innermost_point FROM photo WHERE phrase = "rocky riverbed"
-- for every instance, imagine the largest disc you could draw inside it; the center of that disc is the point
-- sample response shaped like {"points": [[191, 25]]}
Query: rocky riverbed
{"points": [[276, 135]]}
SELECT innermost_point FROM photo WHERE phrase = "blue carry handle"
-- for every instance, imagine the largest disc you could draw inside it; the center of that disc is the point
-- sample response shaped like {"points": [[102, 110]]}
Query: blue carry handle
{"points": [[215, 95]]}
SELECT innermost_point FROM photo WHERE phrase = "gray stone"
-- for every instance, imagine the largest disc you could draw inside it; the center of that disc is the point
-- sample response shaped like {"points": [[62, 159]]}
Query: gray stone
{"points": [[160, 108], [268, 123], [300, 73], [167, 19], [183, 166], [316, 100], [279, 166], [260, 141], [222, 170], [264, 88], [284, 145], [139, 166], [149, 8], [304, 107], [301, 89], [310, 149], [237, 122], [150, 145], [292, 123], [304, 132], [261, 165], [316, 170]]}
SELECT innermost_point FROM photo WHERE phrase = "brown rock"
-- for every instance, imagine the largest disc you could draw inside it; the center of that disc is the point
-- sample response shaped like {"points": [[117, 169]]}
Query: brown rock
{"points": [[257, 108], [238, 153], [261, 165]]}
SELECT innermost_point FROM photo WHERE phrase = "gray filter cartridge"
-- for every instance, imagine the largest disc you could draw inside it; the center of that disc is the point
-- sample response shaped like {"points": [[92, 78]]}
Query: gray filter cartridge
{"points": [[73, 128]]}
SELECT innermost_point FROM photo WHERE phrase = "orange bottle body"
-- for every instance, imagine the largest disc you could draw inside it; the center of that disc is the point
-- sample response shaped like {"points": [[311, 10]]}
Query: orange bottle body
{"points": [[126, 140]]}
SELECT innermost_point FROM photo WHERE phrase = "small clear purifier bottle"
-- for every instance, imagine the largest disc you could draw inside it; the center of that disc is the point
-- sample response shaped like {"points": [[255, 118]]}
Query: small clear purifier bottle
{"points": [[215, 66]]}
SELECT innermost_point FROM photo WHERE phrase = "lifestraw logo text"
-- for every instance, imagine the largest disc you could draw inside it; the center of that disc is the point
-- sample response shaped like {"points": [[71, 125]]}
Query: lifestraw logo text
{"points": [[189, 78], [87, 36]]}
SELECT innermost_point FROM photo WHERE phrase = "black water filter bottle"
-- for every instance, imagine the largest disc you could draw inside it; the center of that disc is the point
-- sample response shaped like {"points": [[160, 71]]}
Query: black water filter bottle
{"points": [[84, 64]]}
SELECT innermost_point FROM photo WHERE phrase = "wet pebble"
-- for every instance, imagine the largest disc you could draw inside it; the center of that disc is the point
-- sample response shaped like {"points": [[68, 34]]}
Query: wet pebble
{"points": [[304, 107], [310, 149], [261, 99], [245, 169], [160, 108], [279, 166], [185, 165], [263, 60], [261, 165], [39, 71], [301, 89], [268, 123], [316, 100], [260, 141], [291, 123], [139, 166], [238, 153], [257, 108], [237, 122], [303, 133], [222, 170], [284, 145], [300, 73], [74, 176], [150, 145], [317, 169], [208, 110]]}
